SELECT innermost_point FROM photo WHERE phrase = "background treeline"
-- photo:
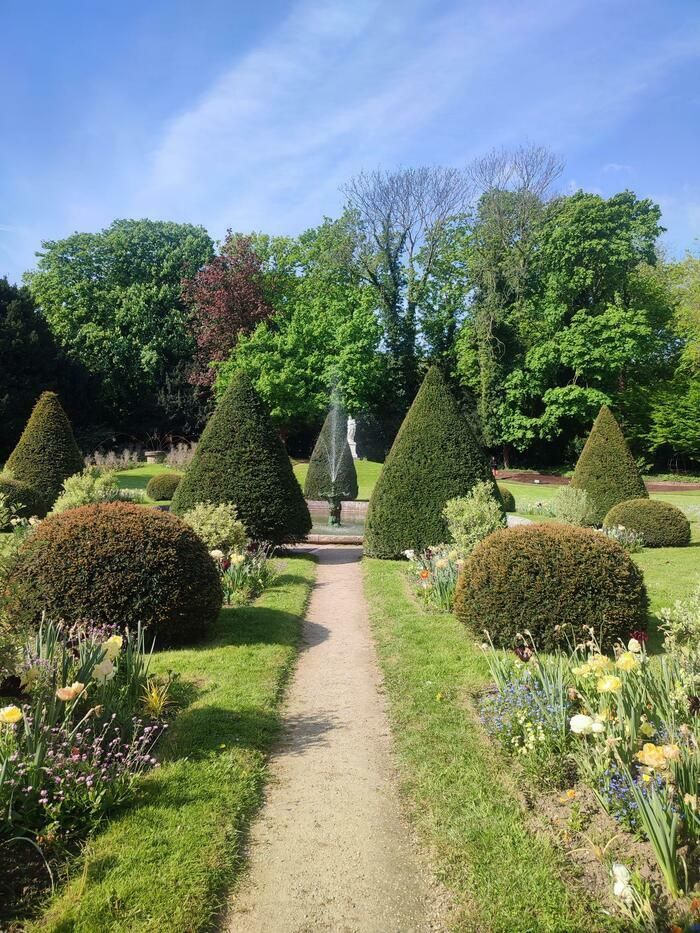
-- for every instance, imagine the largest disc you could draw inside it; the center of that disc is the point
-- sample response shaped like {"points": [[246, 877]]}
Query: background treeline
{"points": [[539, 306]]}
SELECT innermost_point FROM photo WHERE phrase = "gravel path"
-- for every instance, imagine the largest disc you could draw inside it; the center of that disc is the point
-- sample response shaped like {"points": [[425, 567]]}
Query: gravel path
{"points": [[330, 849]]}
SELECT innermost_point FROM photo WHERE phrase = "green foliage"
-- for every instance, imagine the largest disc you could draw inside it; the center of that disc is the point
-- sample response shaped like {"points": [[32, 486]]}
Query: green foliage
{"points": [[240, 459], [473, 517], [324, 333], [218, 526], [552, 580], [21, 499], [507, 497], [46, 453], [113, 302], [162, 486], [120, 564], [434, 458], [573, 506], [331, 474], [675, 425], [659, 523], [91, 486], [606, 469]]}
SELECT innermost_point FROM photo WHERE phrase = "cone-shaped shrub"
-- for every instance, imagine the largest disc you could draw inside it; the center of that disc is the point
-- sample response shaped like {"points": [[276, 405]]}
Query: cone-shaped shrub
{"points": [[606, 468], [240, 458], [331, 474], [434, 458], [46, 453]]}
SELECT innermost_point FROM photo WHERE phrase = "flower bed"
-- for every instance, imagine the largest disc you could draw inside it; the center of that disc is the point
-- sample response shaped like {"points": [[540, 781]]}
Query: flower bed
{"points": [[625, 728]]}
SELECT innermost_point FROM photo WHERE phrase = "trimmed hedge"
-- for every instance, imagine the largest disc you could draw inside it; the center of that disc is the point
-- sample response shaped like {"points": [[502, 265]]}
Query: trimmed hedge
{"points": [[659, 523], [46, 453], [435, 457], [120, 564], [162, 486], [240, 459], [606, 468], [538, 577], [323, 479], [507, 497], [24, 500]]}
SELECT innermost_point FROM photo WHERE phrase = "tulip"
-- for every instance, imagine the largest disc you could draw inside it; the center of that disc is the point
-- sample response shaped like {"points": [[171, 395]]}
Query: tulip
{"points": [[70, 693], [10, 715]]}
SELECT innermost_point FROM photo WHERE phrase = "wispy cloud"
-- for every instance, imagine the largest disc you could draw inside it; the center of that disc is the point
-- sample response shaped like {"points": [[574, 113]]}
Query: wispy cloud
{"points": [[616, 167]]}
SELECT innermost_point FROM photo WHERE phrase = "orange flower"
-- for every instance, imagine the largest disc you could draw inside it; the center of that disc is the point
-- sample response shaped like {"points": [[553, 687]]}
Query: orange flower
{"points": [[424, 574]]}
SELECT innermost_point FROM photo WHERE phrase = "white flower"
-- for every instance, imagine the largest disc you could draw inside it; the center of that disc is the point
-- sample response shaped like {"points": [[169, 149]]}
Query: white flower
{"points": [[597, 727], [621, 882], [410, 554], [217, 554], [103, 671], [581, 725], [634, 646], [113, 646]]}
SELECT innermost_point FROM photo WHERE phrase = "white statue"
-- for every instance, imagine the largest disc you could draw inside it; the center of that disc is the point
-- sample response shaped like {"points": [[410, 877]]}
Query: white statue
{"points": [[352, 426]]}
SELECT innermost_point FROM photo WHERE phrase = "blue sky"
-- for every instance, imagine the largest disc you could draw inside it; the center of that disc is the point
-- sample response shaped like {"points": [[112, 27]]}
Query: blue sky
{"points": [[250, 115]]}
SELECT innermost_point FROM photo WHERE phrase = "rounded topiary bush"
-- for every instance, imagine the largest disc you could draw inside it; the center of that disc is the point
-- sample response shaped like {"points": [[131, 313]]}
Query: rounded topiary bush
{"points": [[120, 564], [46, 453], [162, 486], [507, 497], [659, 523], [22, 499], [541, 577]]}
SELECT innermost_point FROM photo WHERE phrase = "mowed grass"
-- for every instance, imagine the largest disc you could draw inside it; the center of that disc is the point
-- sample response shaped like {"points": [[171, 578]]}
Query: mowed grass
{"points": [[166, 861], [502, 874], [367, 475], [138, 477]]}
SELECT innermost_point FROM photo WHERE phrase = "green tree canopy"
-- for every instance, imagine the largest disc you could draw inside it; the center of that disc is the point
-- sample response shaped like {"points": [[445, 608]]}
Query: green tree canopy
{"points": [[113, 302]]}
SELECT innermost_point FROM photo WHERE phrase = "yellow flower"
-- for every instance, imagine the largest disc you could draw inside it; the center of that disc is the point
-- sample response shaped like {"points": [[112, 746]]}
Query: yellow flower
{"points": [[627, 662], [609, 684], [581, 671], [10, 715], [671, 752], [453, 555], [28, 679], [652, 757], [599, 663], [70, 693], [647, 730], [691, 800], [103, 671], [441, 563], [237, 558], [113, 646]]}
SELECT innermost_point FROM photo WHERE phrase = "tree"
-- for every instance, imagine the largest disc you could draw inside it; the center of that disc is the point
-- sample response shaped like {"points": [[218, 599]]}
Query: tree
{"points": [[323, 335], [30, 361], [227, 298], [331, 474], [240, 459], [434, 458], [113, 302], [46, 453], [606, 469], [400, 218]]}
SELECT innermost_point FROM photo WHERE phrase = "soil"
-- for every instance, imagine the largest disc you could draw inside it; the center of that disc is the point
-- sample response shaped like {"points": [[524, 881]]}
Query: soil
{"points": [[552, 479], [331, 849]]}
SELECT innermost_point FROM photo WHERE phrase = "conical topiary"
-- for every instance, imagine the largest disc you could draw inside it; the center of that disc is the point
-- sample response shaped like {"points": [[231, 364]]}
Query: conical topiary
{"points": [[435, 457], [46, 453], [240, 458], [331, 474], [606, 468]]}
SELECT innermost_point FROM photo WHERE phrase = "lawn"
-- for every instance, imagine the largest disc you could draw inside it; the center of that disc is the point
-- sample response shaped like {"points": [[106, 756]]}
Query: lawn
{"points": [[503, 875], [138, 477], [167, 860]]}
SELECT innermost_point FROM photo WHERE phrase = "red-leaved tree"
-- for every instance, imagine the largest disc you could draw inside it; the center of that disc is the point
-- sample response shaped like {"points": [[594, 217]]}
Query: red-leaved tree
{"points": [[226, 298]]}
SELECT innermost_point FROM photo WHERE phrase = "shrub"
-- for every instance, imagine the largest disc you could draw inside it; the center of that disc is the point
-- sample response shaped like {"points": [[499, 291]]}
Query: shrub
{"points": [[541, 577], [680, 624], [507, 497], [606, 469], [659, 523], [162, 486], [217, 525], [120, 564], [573, 506], [91, 486], [331, 474], [21, 500], [473, 517], [46, 453], [240, 458], [434, 458]]}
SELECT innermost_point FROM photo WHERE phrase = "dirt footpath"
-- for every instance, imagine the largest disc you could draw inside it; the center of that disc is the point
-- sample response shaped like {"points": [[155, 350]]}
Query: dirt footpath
{"points": [[330, 850]]}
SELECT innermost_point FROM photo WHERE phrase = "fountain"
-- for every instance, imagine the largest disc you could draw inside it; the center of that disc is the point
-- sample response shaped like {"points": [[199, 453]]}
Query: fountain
{"points": [[331, 474]]}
